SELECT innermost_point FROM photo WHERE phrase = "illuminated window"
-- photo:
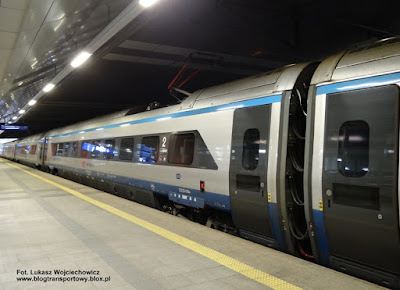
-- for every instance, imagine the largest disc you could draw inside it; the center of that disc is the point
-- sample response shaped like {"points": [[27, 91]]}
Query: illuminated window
{"points": [[126, 149], [149, 149], [108, 151]]}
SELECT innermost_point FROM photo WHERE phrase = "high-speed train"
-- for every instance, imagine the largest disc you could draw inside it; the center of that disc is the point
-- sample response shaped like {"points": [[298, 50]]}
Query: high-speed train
{"points": [[304, 159]]}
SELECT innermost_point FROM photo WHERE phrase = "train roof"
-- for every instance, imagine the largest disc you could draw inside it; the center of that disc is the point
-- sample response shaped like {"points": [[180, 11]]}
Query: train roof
{"points": [[31, 138], [378, 58], [261, 85]]}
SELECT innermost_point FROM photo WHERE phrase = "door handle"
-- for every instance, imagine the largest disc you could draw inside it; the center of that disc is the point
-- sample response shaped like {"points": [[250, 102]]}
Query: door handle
{"points": [[262, 188], [328, 193]]}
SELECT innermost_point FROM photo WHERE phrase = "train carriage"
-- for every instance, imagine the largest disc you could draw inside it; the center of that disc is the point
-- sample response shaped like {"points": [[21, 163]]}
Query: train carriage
{"points": [[216, 154], [29, 150], [352, 170], [8, 150]]}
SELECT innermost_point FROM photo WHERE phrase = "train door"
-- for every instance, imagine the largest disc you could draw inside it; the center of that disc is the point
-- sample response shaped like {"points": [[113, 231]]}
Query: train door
{"points": [[44, 150], [247, 176], [359, 180]]}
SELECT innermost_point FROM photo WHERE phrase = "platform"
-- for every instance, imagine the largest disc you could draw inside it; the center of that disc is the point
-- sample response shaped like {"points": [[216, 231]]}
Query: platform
{"points": [[66, 235]]}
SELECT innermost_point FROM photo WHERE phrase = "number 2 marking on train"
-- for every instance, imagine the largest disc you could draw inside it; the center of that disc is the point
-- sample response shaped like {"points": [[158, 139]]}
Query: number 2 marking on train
{"points": [[164, 140]]}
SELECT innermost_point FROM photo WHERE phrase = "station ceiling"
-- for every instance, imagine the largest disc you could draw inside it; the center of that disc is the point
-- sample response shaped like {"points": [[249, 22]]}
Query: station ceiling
{"points": [[133, 63]]}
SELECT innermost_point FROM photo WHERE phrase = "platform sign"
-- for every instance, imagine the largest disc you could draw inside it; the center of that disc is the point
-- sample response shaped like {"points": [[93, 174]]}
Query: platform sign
{"points": [[12, 127]]}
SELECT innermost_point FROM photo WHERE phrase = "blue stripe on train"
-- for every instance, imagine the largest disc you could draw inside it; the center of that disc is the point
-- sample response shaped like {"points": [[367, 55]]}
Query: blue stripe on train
{"points": [[179, 194], [359, 84], [231, 106], [276, 227], [321, 237]]}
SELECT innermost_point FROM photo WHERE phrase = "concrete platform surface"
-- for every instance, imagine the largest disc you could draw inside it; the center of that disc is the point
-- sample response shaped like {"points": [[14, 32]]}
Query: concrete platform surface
{"points": [[66, 235]]}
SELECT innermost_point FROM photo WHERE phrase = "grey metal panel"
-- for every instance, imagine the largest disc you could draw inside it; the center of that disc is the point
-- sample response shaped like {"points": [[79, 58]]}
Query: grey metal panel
{"points": [[325, 70], [240, 95], [252, 87], [381, 49], [281, 171], [318, 150], [308, 208], [189, 101], [288, 77], [224, 90], [379, 58], [274, 147], [375, 67]]}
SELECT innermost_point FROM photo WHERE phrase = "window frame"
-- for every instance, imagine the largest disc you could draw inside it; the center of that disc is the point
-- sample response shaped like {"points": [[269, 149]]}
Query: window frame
{"points": [[156, 150], [172, 149]]}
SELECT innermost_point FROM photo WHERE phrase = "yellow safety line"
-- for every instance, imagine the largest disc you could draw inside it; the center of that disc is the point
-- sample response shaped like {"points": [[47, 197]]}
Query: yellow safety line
{"points": [[231, 263]]}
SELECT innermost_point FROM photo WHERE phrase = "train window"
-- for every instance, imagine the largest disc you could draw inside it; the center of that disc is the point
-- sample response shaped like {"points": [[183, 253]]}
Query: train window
{"points": [[26, 149], [59, 149], [353, 155], [126, 149], [70, 149], [87, 149], [33, 150], [108, 149], [251, 145], [66, 149], [53, 149], [181, 149], [73, 149], [97, 149], [18, 150], [149, 149]]}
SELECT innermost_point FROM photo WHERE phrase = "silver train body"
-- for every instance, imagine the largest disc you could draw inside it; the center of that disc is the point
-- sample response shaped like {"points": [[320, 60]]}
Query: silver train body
{"points": [[304, 159]]}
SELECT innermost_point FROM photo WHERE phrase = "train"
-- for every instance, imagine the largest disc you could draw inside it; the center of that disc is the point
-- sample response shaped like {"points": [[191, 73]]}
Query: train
{"points": [[303, 159]]}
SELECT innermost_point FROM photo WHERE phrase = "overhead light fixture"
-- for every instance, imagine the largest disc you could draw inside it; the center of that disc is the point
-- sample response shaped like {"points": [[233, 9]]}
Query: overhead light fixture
{"points": [[15, 118], [80, 59], [21, 111], [48, 87], [32, 102], [9, 122], [147, 3]]}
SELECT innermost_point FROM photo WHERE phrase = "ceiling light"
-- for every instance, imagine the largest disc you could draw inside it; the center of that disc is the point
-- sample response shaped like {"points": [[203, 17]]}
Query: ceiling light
{"points": [[15, 118], [80, 59], [9, 122], [147, 3], [48, 87], [21, 111], [32, 102]]}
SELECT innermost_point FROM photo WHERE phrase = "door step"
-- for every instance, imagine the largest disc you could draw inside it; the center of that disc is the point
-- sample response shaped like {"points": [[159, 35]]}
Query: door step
{"points": [[263, 240], [364, 272]]}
